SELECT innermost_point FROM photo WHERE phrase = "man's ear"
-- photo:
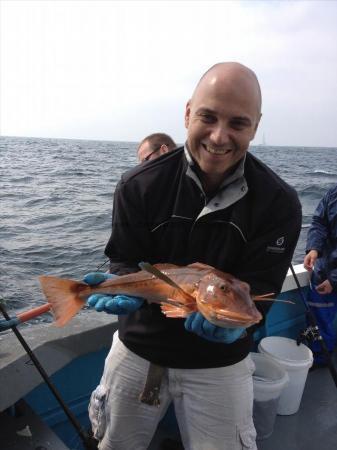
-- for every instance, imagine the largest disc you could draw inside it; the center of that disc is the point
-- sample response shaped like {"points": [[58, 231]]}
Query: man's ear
{"points": [[256, 126], [257, 123], [187, 114], [164, 149]]}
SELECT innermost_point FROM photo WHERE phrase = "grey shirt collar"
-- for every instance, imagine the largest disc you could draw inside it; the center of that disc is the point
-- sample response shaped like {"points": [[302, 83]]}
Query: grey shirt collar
{"points": [[232, 189]]}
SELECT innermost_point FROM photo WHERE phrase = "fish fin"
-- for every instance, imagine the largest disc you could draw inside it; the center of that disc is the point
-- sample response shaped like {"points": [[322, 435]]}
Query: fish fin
{"points": [[172, 311], [200, 266], [163, 277], [268, 296], [63, 296], [165, 266], [259, 299]]}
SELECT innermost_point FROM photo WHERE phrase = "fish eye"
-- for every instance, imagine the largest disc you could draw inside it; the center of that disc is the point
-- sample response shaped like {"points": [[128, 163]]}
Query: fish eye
{"points": [[224, 288]]}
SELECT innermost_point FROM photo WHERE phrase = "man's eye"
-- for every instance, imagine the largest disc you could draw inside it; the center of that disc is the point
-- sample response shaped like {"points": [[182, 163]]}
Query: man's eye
{"points": [[208, 118], [238, 125]]}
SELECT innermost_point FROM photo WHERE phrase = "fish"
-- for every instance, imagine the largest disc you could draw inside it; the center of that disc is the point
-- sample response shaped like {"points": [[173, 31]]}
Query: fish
{"points": [[221, 298]]}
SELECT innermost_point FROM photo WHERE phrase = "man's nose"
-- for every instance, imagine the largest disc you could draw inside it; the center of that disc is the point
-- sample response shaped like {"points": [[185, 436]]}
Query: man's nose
{"points": [[220, 135]]}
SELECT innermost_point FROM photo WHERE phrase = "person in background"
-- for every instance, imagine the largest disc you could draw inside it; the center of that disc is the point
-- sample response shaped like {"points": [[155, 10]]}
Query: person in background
{"points": [[321, 261], [212, 202], [154, 145]]}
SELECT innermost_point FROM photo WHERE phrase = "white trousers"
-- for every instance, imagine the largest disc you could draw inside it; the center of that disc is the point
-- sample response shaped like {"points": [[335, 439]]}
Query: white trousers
{"points": [[213, 406]]}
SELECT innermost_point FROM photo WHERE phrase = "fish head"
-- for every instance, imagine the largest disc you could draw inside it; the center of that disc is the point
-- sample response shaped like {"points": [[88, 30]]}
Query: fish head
{"points": [[225, 301]]}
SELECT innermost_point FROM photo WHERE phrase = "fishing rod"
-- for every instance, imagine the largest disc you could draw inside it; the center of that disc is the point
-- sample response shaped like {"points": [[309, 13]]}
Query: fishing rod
{"points": [[89, 442], [312, 332], [102, 265], [24, 316]]}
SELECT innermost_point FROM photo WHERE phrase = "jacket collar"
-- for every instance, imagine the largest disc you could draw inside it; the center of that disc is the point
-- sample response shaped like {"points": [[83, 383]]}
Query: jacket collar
{"points": [[232, 189]]}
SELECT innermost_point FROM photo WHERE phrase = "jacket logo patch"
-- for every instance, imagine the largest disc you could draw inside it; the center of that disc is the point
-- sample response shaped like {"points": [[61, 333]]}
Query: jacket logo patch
{"points": [[280, 241], [277, 247]]}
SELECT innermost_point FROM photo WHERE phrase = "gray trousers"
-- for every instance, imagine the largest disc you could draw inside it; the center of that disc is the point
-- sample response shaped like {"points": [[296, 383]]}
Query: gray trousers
{"points": [[213, 406]]}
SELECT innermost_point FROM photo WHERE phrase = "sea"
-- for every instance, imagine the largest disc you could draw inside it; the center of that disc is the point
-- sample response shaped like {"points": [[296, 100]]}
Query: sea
{"points": [[56, 202]]}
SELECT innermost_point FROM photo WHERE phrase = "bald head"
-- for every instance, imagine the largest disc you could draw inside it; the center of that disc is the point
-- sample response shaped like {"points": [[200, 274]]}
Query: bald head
{"points": [[232, 75], [221, 120]]}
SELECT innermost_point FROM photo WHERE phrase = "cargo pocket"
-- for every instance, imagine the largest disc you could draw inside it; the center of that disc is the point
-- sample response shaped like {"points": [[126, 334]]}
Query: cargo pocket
{"points": [[97, 412], [247, 437]]}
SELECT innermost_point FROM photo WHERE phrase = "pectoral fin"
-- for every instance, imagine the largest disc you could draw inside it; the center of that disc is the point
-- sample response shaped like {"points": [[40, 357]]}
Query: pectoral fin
{"points": [[172, 311]]}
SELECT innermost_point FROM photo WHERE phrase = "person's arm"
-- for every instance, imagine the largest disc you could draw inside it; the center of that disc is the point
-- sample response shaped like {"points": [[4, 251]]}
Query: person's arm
{"points": [[318, 231], [130, 239], [332, 275], [317, 238], [310, 259], [126, 248], [268, 255]]}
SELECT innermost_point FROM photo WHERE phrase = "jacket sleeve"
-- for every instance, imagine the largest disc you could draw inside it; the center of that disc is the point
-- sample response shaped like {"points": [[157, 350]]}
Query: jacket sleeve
{"points": [[269, 253], [130, 238], [332, 274], [322, 236], [318, 231]]}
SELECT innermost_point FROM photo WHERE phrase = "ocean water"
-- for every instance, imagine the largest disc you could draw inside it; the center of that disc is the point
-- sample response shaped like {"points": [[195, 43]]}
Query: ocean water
{"points": [[56, 200]]}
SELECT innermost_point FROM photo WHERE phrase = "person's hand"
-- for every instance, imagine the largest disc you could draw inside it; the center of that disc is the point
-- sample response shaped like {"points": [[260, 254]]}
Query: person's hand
{"points": [[324, 288], [310, 259], [111, 304], [196, 323]]}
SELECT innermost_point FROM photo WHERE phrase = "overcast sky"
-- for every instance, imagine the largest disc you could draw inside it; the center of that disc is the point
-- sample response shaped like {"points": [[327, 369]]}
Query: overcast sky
{"points": [[113, 70]]}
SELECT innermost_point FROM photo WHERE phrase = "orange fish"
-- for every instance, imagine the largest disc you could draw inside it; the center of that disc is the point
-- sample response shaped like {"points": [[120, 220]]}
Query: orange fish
{"points": [[220, 297]]}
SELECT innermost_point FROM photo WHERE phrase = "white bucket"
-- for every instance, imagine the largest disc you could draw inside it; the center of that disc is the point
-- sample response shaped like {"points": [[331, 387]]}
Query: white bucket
{"points": [[269, 379], [296, 360]]}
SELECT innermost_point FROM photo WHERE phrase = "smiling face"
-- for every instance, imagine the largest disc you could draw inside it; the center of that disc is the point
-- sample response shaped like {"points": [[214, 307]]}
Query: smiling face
{"points": [[221, 120]]}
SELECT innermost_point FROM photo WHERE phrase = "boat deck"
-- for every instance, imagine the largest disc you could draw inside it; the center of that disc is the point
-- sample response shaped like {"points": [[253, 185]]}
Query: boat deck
{"points": [[24, 430], [313, 427]]}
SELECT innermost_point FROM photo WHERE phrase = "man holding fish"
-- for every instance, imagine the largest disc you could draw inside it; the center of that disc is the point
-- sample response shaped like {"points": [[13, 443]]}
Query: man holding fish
{"points": [[209, 202]]}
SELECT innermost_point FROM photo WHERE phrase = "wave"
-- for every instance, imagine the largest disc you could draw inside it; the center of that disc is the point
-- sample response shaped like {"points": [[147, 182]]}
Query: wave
{"points": [[313, 191], [324, 173], [24, 179], [34, 202]]}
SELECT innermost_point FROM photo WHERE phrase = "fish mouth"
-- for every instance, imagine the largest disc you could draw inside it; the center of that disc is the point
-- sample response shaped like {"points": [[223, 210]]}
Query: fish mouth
{"points": [[233, 317], [217, 151]]}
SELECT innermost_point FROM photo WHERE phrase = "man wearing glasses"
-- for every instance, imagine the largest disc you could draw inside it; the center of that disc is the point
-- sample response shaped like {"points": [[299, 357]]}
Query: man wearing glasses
{"points": [[154, 145]]}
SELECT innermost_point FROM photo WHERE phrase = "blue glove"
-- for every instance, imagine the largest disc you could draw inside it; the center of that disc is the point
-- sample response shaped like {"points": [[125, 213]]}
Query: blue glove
{"points": [[196, 323], [111, 304]]}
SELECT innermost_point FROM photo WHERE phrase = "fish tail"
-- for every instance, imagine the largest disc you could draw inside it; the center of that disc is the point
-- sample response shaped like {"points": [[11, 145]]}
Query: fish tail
{"points": [[64, 296]]}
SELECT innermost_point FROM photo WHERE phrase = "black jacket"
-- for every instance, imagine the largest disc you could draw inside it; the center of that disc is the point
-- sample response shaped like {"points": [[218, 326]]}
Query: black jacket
{"points": [[160, 214]]}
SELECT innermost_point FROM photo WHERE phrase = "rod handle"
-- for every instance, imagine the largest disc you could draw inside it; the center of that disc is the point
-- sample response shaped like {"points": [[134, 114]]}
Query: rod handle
{"points": [[30, 314]]}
